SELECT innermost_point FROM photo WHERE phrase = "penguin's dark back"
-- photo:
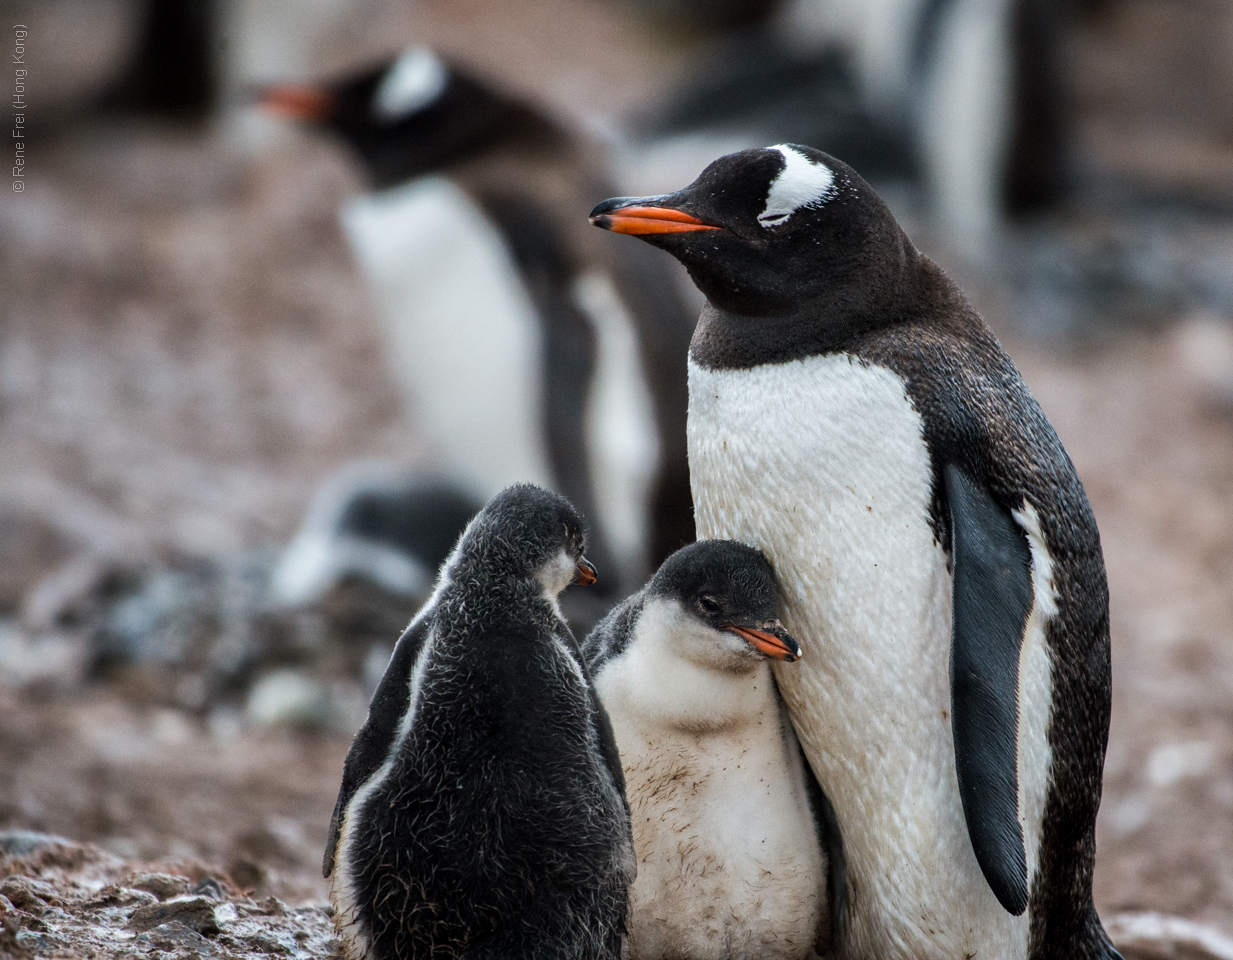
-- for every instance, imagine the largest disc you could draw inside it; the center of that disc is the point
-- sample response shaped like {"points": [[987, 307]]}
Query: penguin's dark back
{"points": [[498, 829]]}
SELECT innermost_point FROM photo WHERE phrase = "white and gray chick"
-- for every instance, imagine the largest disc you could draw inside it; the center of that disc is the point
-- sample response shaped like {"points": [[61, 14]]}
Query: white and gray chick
{"points": [[731, 831]]}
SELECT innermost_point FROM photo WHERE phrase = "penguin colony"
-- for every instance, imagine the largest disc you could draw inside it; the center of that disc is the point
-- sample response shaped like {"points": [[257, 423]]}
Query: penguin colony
{"points": [[853, 417], [482, 809], [854, 422]]}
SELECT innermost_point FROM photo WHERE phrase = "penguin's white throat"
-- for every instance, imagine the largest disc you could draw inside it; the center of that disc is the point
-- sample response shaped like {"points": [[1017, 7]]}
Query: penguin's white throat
{"points": [[556, 574], [687, 675]]}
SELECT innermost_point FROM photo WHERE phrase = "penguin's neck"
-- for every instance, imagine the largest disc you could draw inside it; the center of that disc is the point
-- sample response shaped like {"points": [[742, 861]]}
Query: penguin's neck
{"points": [[726, 340], [854, 305], [665, 679]]}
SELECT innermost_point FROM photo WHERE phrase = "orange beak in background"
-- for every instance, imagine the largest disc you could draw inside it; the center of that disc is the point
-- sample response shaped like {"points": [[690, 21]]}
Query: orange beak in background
{"points": [[641, 220], [780, 646], [587, 573], [296, 102]]}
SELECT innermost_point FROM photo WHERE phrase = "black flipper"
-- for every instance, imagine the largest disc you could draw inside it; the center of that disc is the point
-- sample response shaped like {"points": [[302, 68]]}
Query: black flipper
{"points": [[992, 601], [372, 744]]}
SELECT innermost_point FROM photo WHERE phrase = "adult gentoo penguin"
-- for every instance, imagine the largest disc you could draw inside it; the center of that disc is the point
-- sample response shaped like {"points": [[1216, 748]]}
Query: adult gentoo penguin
{"points": [[728, 821], [482, 809], [529, 347], [853, 417]]}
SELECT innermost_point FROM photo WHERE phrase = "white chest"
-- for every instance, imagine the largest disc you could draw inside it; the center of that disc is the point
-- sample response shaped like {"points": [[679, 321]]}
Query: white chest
{"points": [[460, 331], [729, 864], [821, 463], [464, 344]]}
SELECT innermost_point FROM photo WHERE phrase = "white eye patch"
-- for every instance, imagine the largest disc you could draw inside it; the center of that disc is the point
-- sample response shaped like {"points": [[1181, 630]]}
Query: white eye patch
{"points": [[412, 83], [801, 183]]}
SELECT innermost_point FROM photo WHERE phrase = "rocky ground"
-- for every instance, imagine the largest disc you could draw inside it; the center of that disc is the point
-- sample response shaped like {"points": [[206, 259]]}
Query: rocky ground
{"points": [[64, 899]]}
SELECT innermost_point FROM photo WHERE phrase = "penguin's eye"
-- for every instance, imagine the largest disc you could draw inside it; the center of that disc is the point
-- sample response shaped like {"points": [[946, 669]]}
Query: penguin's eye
{"points": [[708, 603]]}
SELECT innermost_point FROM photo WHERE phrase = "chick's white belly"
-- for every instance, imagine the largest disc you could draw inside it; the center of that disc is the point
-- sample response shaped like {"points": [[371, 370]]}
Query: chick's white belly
{"points": [[729, 865], [821, 463]]}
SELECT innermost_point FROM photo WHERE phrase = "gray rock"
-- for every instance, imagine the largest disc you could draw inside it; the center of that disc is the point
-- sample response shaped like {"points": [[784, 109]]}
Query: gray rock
{"points": [[1087, 278], [196, 913], [179, 936], [114, 895], [1156, 936], [49, 660], [38, 943], [162, 885], [19, 843], [26, 893], [210, 888]]}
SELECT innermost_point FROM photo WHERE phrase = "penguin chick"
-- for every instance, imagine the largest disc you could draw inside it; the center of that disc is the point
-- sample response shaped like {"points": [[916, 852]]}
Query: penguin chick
{"points": [[731, 861], [482, 809]]}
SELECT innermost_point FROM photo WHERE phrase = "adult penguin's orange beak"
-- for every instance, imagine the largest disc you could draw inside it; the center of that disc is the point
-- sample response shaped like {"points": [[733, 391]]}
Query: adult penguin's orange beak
{"points": [[642, 215]]}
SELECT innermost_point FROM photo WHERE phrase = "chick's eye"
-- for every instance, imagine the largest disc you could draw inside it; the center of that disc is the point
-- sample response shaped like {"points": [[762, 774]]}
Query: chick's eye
{"points": [[708, 603]]}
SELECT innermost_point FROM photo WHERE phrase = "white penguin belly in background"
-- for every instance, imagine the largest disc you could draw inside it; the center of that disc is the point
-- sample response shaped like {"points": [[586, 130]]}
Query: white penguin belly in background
{"points": [[622, 438], [821, 463], [465, 346], [730, 864], [460, 331]]}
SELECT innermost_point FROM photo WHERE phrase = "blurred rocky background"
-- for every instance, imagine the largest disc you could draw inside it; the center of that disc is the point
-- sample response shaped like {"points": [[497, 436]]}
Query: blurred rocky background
{"points": [[189, 356]]}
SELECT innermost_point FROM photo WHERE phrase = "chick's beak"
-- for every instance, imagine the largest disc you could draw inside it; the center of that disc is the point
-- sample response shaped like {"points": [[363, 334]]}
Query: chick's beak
{"points": [[642, 215], [297, 102], [772, 639], [587, 574]]}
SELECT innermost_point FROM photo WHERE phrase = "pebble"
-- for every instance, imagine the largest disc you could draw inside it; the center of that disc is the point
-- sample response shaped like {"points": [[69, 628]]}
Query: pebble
{"points": [[289, 698], [18, 843], [1203, 343], [1155, 936], [162, 885], [1171, 763], [194, 912]]}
